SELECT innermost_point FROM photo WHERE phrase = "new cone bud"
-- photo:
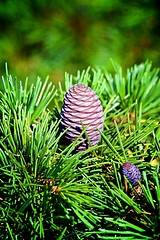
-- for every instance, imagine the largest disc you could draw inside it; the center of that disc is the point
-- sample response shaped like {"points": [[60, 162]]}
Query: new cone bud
{"points": [[131, 172], [82, 108]]}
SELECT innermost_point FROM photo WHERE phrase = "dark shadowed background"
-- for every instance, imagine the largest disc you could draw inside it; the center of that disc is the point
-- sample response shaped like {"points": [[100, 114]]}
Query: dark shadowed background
{"points": [[51, 37]]}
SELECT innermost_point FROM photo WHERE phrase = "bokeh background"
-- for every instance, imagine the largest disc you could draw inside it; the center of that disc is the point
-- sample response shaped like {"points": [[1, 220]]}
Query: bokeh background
{"points": [[40, 38]]}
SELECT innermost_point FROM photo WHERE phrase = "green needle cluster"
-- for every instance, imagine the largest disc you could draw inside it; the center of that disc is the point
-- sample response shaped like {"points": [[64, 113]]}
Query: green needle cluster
{"points": [[47, 191]]}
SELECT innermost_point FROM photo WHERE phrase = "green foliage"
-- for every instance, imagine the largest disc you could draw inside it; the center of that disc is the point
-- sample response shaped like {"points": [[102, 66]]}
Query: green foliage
{"points": [[50, 37], [49, 192], [140, 86]]}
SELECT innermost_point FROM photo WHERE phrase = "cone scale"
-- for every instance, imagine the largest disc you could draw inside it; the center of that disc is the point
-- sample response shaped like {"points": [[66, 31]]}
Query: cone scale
{"points": [[131, 172], [82, 109]]}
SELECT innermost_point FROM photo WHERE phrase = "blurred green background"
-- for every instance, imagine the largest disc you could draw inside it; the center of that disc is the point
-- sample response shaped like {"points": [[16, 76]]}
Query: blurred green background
{"points": [[40, 38]]}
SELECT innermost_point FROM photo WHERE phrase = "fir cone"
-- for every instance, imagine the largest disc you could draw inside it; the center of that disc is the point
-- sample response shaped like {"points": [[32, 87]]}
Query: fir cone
{"points": [[82, 109], [132, 173]]}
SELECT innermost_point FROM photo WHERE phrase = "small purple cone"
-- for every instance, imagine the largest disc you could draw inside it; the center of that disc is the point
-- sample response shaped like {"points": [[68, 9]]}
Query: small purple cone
{"points": [[131, 172], [82, 108]]}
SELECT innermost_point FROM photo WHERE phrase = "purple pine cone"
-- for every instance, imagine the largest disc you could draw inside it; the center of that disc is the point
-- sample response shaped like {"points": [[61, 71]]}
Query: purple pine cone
{"points": [[82, 108], [131, 172]]}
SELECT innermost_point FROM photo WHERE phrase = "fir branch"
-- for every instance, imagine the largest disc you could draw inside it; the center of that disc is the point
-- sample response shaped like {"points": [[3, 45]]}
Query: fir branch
{"points": [[49, 190]]}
